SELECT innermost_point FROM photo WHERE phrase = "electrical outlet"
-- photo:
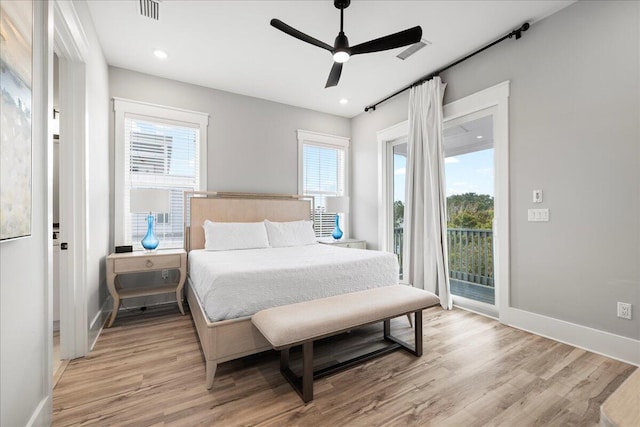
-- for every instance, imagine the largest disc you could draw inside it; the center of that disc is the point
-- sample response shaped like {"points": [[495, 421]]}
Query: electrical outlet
{"points": [[624, 310], [165, 274]]}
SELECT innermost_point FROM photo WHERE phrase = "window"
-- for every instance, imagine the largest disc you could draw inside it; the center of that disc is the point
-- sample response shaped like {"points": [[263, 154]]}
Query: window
{"points": [[322, 171], [157, 147]]}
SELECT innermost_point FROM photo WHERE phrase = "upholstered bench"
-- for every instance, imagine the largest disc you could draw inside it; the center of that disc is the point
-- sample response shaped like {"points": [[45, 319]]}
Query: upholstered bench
{"points": [[305, 322]]}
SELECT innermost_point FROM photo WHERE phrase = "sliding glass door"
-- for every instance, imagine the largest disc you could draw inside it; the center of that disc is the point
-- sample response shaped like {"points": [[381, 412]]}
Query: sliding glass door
{"points": [[469, 169], [398, 168]]}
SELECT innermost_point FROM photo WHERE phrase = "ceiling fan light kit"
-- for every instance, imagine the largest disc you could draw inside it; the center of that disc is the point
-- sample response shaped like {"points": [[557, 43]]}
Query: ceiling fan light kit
{"points": [[341, 50]]}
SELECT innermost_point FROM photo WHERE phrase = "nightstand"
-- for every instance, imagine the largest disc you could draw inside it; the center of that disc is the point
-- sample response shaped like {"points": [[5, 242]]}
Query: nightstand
{"points": [[140, 262], [345, 243]]}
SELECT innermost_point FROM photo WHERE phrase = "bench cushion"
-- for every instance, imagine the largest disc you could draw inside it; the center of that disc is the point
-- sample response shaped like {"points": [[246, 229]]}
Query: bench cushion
{"points": [[292, 324]]}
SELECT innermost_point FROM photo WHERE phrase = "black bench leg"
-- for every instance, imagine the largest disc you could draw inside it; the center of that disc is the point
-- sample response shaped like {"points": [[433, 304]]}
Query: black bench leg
{"points": [[302, 385], [284, 359], [418, 332], [307, 371], [417, 348]]}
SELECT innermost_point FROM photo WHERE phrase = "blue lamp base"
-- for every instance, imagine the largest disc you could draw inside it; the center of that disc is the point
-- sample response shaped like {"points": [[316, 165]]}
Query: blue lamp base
{"points": [[337, 233], [150, 242]]}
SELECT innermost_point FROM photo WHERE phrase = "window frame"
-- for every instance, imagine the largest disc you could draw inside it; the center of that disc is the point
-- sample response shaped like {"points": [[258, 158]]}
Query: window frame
{"points": [[152, 112], [328, 141]]}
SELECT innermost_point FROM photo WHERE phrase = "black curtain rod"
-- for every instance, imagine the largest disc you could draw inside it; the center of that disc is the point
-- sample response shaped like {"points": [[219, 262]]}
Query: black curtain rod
{"points": [[517, 33]]}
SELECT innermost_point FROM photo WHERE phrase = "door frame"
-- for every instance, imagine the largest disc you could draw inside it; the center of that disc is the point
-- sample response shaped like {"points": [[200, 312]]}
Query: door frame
{"points": [[386, 138], [71, 46], [495, 98]]}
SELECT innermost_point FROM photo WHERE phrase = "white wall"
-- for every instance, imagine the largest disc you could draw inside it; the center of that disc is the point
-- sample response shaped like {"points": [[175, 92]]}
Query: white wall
{"points": [[574, 114], [25, 269]]}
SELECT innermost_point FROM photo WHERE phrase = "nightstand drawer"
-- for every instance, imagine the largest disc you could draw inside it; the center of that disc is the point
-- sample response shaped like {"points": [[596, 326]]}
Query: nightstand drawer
{"points": [[353, 245], [345, 243], [142, 263]]}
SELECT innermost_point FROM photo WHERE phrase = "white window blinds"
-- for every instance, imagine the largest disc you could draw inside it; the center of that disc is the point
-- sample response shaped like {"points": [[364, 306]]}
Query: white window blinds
{"points": [[162, 155], [156, 147], [323, 174]]}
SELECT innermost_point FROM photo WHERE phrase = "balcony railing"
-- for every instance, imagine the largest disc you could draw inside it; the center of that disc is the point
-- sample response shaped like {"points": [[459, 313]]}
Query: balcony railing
{"points": [[470, 254]]}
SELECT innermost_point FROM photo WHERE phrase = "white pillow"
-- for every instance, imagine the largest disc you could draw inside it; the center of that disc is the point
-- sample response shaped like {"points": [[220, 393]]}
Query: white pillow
{"points": [[294, 233], [228, 236]]}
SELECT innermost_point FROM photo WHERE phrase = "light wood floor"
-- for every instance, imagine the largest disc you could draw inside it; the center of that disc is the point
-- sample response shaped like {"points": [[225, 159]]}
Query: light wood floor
{"points": [[147, 370]]}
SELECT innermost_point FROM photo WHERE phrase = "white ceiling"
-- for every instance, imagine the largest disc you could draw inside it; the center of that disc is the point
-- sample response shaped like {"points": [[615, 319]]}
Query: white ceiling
{"points": [[229, 45]]}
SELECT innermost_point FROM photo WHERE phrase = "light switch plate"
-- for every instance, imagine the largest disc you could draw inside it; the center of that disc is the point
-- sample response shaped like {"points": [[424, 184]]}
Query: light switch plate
{"points": [[538, 215], [537, 196]]}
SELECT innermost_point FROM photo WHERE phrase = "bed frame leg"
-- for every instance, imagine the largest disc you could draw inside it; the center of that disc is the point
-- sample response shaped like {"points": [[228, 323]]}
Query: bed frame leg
{"points": [[210, 370]]}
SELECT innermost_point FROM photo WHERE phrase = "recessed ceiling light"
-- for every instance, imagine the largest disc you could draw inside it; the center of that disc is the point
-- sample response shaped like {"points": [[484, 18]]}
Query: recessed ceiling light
{"points": [[344, 101], [160, 54], [479, 137]]}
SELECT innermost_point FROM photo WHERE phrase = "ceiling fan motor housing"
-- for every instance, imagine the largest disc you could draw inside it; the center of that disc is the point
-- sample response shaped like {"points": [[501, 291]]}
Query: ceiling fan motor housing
{"points": [[341, 43]]}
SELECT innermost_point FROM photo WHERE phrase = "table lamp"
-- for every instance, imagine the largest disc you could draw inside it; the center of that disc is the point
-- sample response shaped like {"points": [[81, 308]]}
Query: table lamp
{"points": [[337, 205], [149, 200]]}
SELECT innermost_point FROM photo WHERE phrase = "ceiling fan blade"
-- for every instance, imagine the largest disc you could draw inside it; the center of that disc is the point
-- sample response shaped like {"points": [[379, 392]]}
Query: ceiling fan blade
{"points": [[402, 38], [334, 74], [299, 34]]}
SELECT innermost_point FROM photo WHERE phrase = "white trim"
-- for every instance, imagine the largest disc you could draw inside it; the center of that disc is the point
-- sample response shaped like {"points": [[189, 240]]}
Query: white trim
{"points": [[69, 36], [485, 98], [122, 107], [42, 415], [73, 210], [156, 110], [594, 340], [323, 138], [330, 141], [71, 45], [42, 139], [494, 101], [384, 137], [98, 322]]}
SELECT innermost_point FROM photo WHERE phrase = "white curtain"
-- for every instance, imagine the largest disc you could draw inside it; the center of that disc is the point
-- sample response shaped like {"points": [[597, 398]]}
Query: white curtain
{"points": [[425, 261]]}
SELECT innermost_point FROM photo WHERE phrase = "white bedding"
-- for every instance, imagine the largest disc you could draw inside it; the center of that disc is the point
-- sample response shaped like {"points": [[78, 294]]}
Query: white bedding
{"points": [[232, 284]]}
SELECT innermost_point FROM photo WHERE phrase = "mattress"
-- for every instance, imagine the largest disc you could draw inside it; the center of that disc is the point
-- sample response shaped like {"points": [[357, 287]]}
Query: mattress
{"points": [[233, 284]]}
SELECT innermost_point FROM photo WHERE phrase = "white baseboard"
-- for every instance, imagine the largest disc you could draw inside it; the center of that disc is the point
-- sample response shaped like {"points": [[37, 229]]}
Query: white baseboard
{"points": [[99, 321], [43, 414], [605, 343]]}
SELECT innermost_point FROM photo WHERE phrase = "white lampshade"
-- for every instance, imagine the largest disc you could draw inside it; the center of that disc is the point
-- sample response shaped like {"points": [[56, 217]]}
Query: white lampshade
{"points": [[336, 204], [149, 200]]}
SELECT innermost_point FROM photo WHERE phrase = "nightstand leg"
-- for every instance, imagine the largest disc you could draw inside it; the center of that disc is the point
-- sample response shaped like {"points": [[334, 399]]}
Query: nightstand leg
{"points": [[179, 299], [113, 283], [183, 276], [114, 312]]}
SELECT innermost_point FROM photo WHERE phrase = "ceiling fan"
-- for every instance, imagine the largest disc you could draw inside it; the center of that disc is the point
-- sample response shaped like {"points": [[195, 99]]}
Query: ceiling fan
{"points": [[341, 50]]}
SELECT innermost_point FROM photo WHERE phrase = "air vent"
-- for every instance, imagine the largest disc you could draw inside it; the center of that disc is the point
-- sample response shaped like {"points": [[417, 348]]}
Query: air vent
{"points": [[413, 49], [150, 9]]}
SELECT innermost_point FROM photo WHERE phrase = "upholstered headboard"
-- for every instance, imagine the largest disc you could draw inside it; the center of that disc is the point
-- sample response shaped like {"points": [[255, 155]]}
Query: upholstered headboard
{"points": [[239, 207]]}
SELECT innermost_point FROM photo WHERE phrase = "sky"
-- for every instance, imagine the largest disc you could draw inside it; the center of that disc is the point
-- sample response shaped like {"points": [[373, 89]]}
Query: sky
{"points": [[467, 173]]}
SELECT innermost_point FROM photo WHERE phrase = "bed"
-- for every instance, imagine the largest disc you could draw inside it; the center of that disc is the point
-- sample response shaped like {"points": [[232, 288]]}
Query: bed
{"points": [[225, 288]]}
